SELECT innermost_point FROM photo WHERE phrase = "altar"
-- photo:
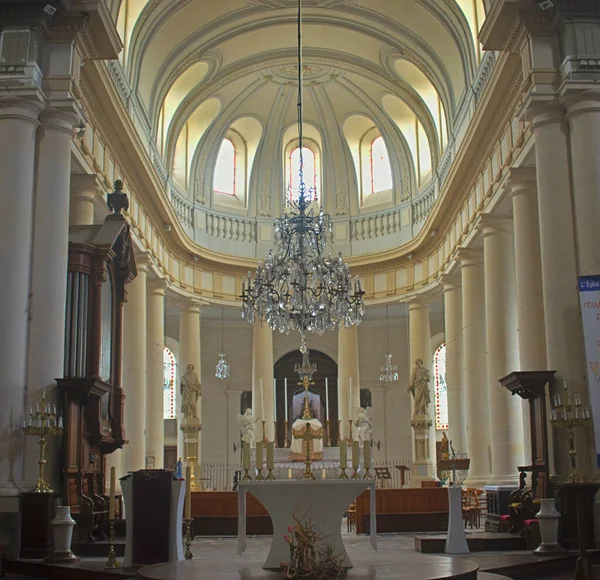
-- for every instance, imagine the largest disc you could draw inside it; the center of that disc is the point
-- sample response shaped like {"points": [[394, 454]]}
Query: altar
{"points": [[324, 502]]}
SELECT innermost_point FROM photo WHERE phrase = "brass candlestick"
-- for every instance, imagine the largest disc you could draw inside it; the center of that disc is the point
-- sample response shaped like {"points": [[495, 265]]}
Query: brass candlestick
{"points": [[367, 474], [307, 436], [270, 476], [259, 475], [570, 415], [355, 474], [350, 438], [188, 539], [246, 476], [264, 427], [42, 424], [111, 561], [192, 463], [275, 434], [343, 474]]}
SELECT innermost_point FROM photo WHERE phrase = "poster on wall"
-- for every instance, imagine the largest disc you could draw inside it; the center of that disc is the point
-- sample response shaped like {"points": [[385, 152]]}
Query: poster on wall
{"points": [[589, 297]]}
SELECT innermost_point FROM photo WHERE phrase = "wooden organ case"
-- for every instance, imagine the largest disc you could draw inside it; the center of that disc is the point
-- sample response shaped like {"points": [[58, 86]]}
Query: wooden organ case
{"points": [[101, 264]]}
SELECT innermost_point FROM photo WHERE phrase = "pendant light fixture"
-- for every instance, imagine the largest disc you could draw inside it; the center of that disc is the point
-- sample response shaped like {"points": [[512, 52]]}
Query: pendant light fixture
{"points": [[222, 368], [389, 372]]}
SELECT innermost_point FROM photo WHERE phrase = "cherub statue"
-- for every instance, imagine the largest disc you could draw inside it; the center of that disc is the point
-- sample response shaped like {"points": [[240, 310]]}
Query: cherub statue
{"points": [[364, 424], [190, 391], [246, 423], [419, 388]]}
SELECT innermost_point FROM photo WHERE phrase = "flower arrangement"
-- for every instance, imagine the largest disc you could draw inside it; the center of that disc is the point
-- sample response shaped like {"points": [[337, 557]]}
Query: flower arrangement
{"points": [[305, 561]]}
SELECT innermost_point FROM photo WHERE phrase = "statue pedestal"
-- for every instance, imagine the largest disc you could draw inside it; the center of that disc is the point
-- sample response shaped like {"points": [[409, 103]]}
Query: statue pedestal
{"points": [[423, 465], [191, 428]]}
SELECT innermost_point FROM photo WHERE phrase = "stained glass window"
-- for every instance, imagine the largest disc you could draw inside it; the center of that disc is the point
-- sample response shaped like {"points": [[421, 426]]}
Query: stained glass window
{"points": [[309, 173], [441, 388], [169, 388], [225, 169], [381, 172]]}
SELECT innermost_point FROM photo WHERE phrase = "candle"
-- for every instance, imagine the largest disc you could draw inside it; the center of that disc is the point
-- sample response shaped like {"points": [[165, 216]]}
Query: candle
{"points": [[350, 402], [367, 452], [326, 399], [188, 493], [60, 422], [262, 402], [355, 454], [323, 474], [111, 505], [274, 399], [289, 473], [270, 455], [259, 455], [343, 455], [285, 397], [246, 455]]}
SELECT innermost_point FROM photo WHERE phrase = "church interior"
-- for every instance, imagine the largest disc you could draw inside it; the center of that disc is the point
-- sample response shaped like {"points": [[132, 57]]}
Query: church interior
{"points": [[316, 281]]}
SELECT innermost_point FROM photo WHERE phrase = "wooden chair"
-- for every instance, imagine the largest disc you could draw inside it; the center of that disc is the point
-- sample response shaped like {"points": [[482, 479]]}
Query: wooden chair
{"points": [[470, 508], [351, 517]]}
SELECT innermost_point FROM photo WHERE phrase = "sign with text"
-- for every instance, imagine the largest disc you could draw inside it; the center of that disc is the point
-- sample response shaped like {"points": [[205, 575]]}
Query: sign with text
{"points": [[589, 296]]}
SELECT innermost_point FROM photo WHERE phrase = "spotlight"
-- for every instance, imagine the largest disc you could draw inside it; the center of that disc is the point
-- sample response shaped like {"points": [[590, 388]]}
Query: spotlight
{"points": [[49, 10], [168, 227], [546, 4]]}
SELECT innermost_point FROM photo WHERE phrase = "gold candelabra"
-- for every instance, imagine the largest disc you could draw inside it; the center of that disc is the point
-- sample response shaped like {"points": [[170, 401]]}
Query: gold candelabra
{"points": [[188, 539], [246, 476], [193, 484], [343, 473], [569, 415], [111, 561], [43, 423]]}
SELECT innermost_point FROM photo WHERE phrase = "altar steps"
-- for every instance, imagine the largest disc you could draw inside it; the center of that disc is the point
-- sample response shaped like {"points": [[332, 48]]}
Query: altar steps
{"points": [[483, 542]]}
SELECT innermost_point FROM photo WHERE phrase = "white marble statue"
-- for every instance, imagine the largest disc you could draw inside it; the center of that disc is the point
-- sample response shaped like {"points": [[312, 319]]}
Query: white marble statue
{"points": [[364, 424], [190, 391], [246, 423], [419, 388]]}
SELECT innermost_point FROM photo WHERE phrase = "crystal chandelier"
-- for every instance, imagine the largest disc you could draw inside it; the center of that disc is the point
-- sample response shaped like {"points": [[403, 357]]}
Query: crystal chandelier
{"points": [[306, 369], [298, 287], [222, 368], [389, 372]]}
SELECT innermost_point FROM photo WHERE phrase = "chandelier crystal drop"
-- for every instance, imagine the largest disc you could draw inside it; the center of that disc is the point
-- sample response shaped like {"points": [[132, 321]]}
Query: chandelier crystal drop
{"points": [[300, 287], [389, 371], [222, 368]]}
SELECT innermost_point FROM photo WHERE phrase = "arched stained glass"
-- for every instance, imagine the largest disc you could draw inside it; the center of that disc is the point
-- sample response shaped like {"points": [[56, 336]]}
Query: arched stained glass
{"points": [[441, 388], [224, 181], [169, 388], [381, 171], [309, 173]]}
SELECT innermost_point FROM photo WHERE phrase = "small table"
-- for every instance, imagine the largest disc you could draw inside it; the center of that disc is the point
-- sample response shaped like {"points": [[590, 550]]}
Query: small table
{"points": [[324, 500]]}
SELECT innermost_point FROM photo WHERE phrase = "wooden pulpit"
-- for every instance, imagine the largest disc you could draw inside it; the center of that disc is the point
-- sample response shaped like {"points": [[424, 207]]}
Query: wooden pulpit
{"points": [[531, 386]]}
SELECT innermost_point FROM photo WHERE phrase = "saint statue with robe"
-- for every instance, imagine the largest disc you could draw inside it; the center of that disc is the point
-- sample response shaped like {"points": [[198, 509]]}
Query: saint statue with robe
{"points": [[364, 424], [419, 388], [190, 391], [246, 423]]}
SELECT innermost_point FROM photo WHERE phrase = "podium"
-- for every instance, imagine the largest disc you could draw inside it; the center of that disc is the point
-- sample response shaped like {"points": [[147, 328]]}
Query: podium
{"points": [[153, 526]]}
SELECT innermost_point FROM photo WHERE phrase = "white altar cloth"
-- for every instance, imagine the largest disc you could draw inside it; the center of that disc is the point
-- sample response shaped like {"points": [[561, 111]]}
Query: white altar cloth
{"points": [[329, 500], [296, 447]]}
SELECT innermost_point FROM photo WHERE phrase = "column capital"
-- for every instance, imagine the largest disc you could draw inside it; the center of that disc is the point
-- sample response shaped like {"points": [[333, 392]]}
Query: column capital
{"points": [[469, 257], [521, 180], [191, 305], [61, 119], [86, 185], [158, 286], [450, 282], [580, 102], [541, 111], [493, 225], [142, 261], [418, 303], [26, 108]]}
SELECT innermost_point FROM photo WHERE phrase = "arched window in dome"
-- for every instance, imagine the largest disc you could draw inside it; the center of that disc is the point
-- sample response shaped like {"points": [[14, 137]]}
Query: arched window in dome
{"points": [[380, 169], [169, 387], [309, 173], [225, 169], [440, 388]]}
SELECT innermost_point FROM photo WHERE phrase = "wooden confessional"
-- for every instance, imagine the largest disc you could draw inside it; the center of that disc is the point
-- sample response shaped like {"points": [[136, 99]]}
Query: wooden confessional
{"points": [[101, 263]]}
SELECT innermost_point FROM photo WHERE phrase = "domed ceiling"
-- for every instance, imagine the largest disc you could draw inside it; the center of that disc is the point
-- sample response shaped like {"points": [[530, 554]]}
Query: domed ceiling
{"points": [[202, 71]]}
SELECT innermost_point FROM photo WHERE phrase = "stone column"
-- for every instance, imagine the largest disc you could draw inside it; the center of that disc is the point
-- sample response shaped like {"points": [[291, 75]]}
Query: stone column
{"points": [[474, 367], [262, 370], [134, 368], [49, 258], [583, 115], [155, 424], [505, 411], [18, 125], [419, 325], [454, 366], [565, 350], [84, 191], [189, 354], [522, 188], [348, 370], [378, 406]]}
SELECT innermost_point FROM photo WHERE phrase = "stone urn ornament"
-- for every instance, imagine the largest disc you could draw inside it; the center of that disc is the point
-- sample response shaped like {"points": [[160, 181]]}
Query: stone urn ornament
{"points": [[62, 532], [548, 518]]}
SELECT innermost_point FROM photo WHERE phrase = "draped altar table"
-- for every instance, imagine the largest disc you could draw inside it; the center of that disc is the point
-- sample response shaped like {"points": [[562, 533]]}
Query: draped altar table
{"points": [[325, 500]]}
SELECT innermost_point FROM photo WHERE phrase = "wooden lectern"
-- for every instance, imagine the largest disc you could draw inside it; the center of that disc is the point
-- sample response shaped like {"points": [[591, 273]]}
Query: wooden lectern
{"points": [[454, 464]]}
